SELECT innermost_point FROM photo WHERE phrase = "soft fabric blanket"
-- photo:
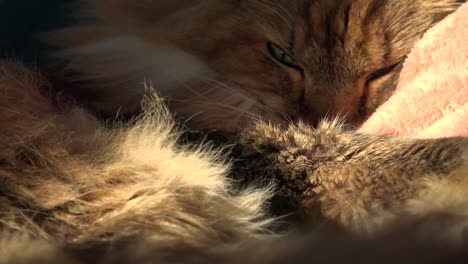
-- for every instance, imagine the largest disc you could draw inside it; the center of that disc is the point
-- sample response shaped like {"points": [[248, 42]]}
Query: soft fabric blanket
{"points": [[432, 97]]}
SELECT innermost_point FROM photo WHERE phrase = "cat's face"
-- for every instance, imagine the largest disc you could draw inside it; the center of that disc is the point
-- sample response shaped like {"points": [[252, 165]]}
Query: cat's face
{"points": [[277, 59]]}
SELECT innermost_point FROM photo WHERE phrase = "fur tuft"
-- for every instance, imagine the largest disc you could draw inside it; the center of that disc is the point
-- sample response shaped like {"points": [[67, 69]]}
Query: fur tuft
{"points": [[65, 176]]}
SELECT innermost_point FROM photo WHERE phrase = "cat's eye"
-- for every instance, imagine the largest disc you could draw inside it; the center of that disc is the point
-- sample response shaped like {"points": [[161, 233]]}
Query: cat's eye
{"points": [[382, 72], [282, 56]]}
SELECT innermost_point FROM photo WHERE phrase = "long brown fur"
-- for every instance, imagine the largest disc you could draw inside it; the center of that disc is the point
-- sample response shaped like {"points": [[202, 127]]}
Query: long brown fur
{"points": [[75, 190], [211, 57], [65, 177]]}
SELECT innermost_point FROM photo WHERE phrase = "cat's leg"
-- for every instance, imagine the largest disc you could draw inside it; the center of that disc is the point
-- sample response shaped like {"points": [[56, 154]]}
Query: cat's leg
{"points": [[358, 181]]}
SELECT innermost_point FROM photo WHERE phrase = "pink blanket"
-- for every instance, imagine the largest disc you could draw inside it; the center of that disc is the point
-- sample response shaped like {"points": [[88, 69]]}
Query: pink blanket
{"points": [[432, 97]]}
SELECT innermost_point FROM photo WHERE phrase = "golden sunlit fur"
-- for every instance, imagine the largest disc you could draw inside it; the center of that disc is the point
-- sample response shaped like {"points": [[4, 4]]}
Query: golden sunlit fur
{"points": [[76, 191], [211, 57], [66, 177]]}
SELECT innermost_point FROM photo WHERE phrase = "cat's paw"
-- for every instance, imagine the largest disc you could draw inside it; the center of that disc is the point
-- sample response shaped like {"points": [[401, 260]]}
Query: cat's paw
{"points": [[346, 176], [273, 139], [264, 138]]}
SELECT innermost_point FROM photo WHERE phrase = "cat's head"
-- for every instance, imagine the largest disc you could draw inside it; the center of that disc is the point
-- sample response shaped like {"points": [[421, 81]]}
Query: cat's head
{"points": [[224, 62]]}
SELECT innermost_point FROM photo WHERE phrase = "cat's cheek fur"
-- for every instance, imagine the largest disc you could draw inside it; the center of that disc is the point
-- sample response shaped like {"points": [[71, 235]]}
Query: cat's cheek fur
{"points": [[110, 76], [117, 68]]}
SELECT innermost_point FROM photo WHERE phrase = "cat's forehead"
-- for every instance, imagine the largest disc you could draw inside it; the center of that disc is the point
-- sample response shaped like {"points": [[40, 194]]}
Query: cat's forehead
{"points": [[329, 37], [354, 34]]}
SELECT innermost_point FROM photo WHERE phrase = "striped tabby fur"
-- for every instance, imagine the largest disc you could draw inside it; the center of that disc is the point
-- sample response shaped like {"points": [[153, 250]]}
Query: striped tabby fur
{"points": [[211, 57]]}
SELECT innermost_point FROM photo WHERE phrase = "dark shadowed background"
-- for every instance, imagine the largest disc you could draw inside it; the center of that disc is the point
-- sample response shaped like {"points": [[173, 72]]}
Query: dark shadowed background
{"points": [[21, 20]]}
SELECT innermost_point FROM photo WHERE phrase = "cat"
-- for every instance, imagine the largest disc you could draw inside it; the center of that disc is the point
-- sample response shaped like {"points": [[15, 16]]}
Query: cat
{"points": [[75, 190], [222, 64]]}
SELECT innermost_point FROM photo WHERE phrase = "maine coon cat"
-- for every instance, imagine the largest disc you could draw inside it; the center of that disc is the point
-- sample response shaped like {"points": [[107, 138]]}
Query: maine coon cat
{"points": [[75, 190], [222, 63]]}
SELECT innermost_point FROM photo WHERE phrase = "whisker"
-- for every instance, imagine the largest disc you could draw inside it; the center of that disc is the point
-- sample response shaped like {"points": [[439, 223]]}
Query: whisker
{"points": [[278, 10], [238, 93]]}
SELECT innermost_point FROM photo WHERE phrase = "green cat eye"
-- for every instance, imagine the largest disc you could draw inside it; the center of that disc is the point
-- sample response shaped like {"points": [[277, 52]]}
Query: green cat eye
{"points": [[282, 56]]}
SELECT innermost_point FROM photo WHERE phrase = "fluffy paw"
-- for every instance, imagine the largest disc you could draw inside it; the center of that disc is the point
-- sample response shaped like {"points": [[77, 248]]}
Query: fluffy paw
{"points": [[346, 176]]}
